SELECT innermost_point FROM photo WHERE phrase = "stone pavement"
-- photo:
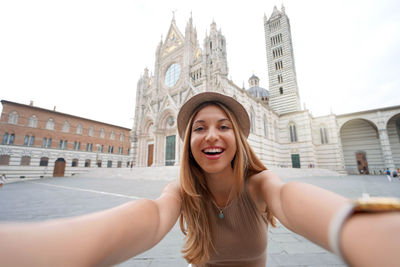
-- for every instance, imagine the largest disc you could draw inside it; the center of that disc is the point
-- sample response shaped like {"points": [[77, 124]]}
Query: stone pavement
{"points": [[48, 198]]}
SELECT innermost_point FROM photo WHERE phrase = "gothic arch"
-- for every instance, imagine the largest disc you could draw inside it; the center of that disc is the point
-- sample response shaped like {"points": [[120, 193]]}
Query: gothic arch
{"points": [[361, 136], [252, 117], [147, 124], [163, 122], [393, 131]]}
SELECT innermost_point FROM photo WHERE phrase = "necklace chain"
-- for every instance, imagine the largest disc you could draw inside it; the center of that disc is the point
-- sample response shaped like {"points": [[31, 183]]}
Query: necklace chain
{"points": [[221, 210]]}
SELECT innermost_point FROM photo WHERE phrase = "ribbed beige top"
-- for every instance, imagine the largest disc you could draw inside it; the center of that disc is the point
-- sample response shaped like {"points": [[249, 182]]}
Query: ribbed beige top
{"points": [[240, 237]]}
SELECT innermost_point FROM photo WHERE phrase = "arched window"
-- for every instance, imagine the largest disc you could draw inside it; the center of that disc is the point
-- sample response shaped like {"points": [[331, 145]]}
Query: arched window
{"points": [[102, 132], [293, 133], [13, 117], [50, 124], [265, 126], [91, 131], [109, 164], [8, 139], [121, 137], [112, 135], [65, 127], [29, 140], [33, 121], [5, 139], [324, 135], [79, 129], [252, 121]]}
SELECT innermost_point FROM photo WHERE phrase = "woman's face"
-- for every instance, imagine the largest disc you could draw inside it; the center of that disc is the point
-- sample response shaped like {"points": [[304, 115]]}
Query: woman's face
{"points": [[212, 141]]}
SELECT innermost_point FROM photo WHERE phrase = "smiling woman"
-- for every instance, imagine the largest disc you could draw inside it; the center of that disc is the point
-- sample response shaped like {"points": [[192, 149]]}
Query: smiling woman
{"points": [[225, 200]]}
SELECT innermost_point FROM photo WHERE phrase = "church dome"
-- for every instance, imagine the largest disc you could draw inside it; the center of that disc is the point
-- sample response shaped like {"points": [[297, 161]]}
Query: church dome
{"points": [[257, 91]]}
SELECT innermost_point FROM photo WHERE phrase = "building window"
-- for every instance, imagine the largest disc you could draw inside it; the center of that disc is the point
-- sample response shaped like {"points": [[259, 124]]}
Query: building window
{"points": [[100, 148], [102, 132], [109, 164], [13, 117], [121, 137], [79, 129], [77, 145], [65, 127], [63, 144], [265, 126], [99, 163], [87, 163], [252, 121], [110, 149], [281, 90], [75, 163], [5, 160], [8, 139], [293, 133], [25, 160], [50, 124], [33, 121], [119, 164], [112, 135], [91, 131], [120, 150], [29, 140], [279, 65], [89, 147], [44, 161], [324, 135], [46, 143], [280, 78]]}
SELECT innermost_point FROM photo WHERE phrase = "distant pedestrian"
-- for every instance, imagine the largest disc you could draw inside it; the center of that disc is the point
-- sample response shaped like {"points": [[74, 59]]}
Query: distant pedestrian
{"points": [[2, 180], [394, 173], [387, 171]]}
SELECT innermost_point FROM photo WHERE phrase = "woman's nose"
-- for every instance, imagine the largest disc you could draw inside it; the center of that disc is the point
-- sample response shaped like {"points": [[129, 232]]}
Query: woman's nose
{"points": [[212, 134]]}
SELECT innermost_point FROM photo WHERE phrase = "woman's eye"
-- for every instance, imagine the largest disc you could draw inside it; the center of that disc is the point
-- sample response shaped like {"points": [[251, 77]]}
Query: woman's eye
{"points": [[197, 129], [225, 127]]}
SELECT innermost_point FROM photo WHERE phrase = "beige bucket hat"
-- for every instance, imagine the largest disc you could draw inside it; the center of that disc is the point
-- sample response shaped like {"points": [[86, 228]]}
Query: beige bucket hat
{"points": [[234, 106]]}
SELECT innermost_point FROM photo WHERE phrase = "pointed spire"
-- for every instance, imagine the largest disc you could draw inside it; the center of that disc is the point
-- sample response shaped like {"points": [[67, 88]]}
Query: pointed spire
{"points": [[283, 9], [173, 16]]}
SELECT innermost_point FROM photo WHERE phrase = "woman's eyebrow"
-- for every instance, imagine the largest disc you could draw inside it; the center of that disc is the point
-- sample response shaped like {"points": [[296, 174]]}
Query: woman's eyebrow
{"points": [[199, 121]]}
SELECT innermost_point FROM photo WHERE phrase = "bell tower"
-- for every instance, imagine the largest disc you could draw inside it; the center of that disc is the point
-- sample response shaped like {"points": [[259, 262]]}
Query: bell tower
{"points": [[283, 89]]}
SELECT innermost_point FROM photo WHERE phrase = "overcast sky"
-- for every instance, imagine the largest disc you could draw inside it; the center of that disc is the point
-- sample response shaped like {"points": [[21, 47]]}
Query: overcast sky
{"points": [[85, 57]]}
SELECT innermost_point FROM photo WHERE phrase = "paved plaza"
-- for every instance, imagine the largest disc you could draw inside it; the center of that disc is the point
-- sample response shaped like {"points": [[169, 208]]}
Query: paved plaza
{"points": [[49, 198]]}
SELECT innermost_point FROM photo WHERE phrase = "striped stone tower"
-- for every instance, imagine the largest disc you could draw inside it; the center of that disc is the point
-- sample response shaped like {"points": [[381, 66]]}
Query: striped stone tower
{"points": [[284, 92]]}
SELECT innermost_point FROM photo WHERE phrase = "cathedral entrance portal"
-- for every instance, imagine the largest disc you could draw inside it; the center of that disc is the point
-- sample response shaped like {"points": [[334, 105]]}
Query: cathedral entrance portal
{"points": [[362, 163], [170, 150], [295, 161], [150, 150], [59, 168]]}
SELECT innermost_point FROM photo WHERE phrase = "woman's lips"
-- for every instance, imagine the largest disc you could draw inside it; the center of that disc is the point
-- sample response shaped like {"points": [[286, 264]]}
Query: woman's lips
{"points": [[213, 153]]}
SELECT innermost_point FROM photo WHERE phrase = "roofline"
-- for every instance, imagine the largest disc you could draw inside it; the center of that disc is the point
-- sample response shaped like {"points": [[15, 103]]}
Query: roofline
{"points": [[60, 113], [369, 110]]}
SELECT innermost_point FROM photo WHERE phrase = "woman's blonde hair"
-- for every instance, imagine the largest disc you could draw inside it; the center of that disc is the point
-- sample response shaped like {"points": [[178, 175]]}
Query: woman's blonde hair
{"points": [[194, 220]]}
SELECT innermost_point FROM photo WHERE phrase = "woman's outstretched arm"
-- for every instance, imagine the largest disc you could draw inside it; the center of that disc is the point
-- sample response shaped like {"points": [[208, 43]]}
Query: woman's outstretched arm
{"points": [[365, 239], [100, 239]]}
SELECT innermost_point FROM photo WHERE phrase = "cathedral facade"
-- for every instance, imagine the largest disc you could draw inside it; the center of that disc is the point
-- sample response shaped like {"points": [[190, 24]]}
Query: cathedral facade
{"points": [[282, 134]]}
